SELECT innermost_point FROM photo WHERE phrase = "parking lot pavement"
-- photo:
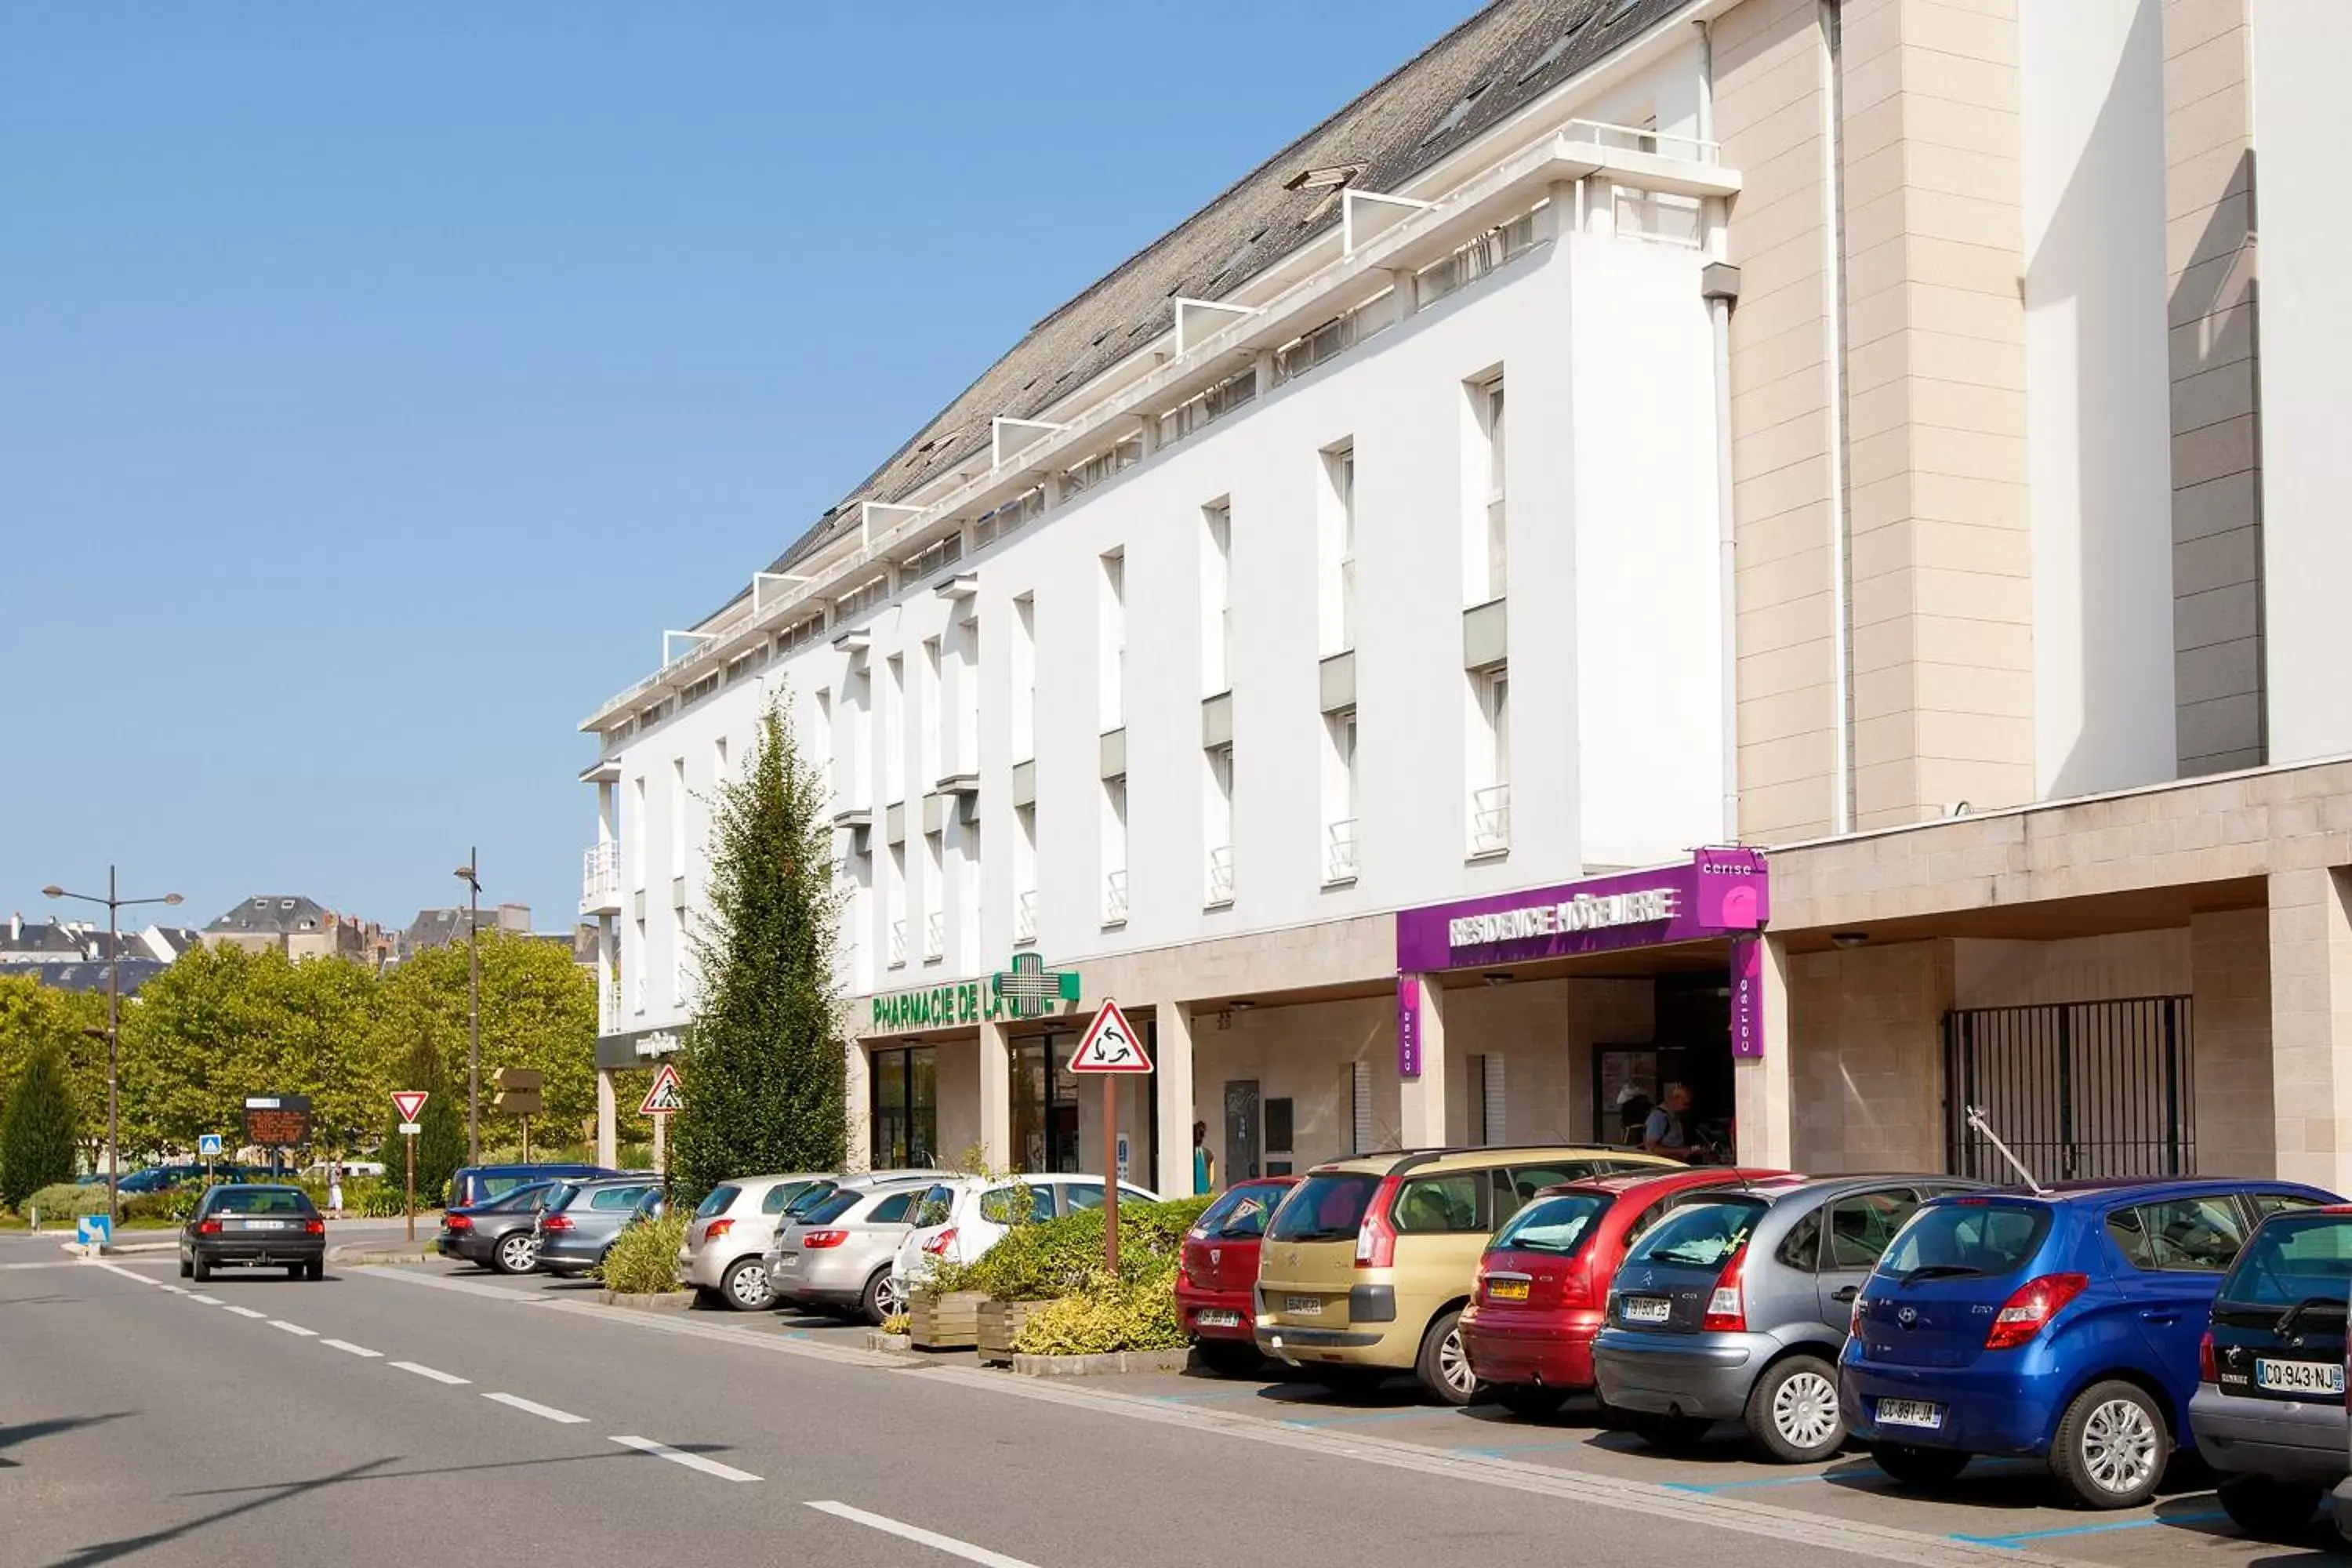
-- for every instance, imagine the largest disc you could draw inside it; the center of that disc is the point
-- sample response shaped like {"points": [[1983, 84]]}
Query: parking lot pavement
{"points": [[1996, 1502]]}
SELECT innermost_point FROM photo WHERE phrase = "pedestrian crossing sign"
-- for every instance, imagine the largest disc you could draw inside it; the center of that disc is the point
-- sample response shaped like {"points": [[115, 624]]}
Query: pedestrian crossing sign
{"points": [[663, 1098]]}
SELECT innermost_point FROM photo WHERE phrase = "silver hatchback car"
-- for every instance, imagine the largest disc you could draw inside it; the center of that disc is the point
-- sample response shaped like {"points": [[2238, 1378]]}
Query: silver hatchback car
{"points": [[720, 1257], [837, 1255], [1735, 1309]]}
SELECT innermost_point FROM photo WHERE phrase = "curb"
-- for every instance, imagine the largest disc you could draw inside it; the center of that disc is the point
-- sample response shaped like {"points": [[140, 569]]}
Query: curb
{"points": [[1101, 1365], [357, 1254], [662, 1301], [882, 1342]]}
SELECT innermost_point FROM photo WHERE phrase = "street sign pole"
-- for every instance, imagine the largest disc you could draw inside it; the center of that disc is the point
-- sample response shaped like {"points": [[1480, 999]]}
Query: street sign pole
{"points": [[409, 1139], [410, 1104], [1110, 1050], [1110, 1173]]}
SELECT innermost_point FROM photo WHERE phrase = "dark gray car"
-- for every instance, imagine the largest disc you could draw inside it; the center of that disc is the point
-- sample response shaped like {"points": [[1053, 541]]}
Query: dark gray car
{"points": [[1735, 1309], [583, 1219]]}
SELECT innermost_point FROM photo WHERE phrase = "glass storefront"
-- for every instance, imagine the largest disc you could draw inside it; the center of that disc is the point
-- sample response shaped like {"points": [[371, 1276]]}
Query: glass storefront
{"points": [[905, 1108], [1045, 1106]]}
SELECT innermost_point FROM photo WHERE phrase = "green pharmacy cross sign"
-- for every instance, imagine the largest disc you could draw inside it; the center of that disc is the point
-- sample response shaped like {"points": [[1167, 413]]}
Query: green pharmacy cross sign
{"points": [[1028, 990], [1031, 989]]}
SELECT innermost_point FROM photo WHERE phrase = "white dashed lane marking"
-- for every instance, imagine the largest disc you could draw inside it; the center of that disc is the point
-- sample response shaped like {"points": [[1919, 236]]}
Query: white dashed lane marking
{"points": [[921, 1536], [691, 1461], [350, 1349], [544, 1412], [294, 1328], [208, 1300], [247, 1312], [436, 1374]]}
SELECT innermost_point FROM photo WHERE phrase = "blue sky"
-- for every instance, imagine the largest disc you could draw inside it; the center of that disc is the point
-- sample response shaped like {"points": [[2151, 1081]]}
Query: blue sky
{"points": [[376, 383]]}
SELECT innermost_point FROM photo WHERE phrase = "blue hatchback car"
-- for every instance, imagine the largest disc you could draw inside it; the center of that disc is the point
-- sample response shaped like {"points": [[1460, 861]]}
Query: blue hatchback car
{"points": [[2062, 1325]]}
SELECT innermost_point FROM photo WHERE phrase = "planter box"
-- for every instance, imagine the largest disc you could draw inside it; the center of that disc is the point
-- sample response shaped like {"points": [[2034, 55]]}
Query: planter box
{"points": [[662, 1301], [1000, 1325], [949, 1323], [1101, 1365]]}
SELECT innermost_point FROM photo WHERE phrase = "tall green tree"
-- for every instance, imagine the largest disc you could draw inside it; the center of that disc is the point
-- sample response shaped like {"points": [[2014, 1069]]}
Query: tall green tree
{"points": [[36, 1126], [33, 1014], [761, 1069], [207, 1032]]}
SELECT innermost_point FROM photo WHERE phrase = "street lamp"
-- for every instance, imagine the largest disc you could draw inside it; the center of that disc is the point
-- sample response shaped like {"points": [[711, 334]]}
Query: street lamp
{"points": [[466, 874], [114, 908]]}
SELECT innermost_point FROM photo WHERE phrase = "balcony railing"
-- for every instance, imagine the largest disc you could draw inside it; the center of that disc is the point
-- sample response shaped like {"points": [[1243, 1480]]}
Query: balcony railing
{"points": [[600, 877], [609, 1014], [1340, 851], [935, 936], [1490, 818], [897, 943], [1221, 875], [1115, 899], [1024, 918]]}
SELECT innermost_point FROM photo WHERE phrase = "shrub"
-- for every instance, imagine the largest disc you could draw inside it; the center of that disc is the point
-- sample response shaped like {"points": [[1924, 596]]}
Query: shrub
{"points": [[897, 1323], [377, 1200], [63, 1203], [644, 1260], [1107, 1314], [1047, 1261], [38, 1136]]}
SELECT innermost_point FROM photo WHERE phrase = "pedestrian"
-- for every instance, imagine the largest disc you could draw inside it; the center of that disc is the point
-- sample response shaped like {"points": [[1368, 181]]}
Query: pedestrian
{"points": [[1204, 1164], [335, 1188], [1663, 1134], [1634, 1108]]}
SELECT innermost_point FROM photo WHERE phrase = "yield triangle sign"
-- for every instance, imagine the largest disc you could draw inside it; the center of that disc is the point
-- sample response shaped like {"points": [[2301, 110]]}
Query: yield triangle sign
{"points": [[663, 1098], [408, 1102], [1110, 1045]]}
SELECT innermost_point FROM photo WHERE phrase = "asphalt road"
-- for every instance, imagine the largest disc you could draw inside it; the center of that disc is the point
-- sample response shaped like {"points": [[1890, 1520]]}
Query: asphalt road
{"points": [[408, 1417]]}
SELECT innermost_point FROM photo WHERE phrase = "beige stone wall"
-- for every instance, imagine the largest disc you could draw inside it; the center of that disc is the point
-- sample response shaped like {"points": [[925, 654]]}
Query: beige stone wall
{"points": [[2083, 969], [2231, 989], [2310, 933], [1544, 1032], [2214, 319], [1306, 1054], [1867, 1056]]}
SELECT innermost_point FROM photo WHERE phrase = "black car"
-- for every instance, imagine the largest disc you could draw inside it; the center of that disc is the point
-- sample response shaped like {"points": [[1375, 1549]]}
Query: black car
{"points": [[498, 1233], [471, 1184], [254, 1228]]}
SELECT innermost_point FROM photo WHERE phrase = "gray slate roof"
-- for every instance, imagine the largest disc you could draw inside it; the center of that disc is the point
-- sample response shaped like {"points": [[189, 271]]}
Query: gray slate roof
{"points": [[86, 976], [1501, 58], [277, 913], [40, 940]]}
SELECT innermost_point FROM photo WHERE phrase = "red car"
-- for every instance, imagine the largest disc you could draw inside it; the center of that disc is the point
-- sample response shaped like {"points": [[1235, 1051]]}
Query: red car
{"points": [[1543, 1284], [1217, 1273]]}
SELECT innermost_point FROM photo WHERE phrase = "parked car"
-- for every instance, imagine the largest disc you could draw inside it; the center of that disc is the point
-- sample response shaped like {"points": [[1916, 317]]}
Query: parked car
{"points": [[961, 1218], [1544, 1279], [1736, 1309], [721, 1257], [1369, 1262], [169, 1178], [582, 1219], [2268, 1413], [498, 1233], [254, 1227], [839, 1255], [1216, 1275], [2062, 1325], [471, 1184]]}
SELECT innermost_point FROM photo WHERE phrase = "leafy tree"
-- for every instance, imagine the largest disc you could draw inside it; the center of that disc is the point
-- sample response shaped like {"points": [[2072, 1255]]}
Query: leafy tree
{"points": [[761, 1069], [38, 1127], [206, 1032], [32, 1014]]}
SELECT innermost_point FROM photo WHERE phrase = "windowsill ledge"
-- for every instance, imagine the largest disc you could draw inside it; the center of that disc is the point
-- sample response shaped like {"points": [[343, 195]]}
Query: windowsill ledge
{"points": [[1119, 924], [1479, 857], [1333, 883], [1212, 904], [895, 964], [1024, 942]]}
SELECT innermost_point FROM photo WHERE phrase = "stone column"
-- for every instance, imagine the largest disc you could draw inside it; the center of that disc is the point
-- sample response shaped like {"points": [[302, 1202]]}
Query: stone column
{"points": [[1171, 1080], [608, 1132], [856, 1098], [2230, 984], [1422, 1099], [1761, 1085], [2311, 1024], [996, 1096]]}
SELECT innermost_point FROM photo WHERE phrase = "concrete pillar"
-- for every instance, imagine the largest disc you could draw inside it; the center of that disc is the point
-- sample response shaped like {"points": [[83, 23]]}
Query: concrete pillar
{"points": [[996, 1097], [1422, 1099], [2230, 987], [2311, 1024], [1761, 1099], [1171, 1080], [661, 1144], [608, 1131], [857, 1097]]}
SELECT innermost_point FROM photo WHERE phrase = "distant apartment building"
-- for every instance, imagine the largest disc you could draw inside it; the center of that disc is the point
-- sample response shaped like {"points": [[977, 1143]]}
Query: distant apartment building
{"points": [[298, 927]]}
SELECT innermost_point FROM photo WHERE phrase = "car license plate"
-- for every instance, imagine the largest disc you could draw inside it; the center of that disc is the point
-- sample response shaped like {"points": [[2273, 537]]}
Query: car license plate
{"points": [[1910, 1413], [265, 1224], [2299, 1376], [1304, 1306], [1645, 1309], [1213, 1319], [1506, 1289]]}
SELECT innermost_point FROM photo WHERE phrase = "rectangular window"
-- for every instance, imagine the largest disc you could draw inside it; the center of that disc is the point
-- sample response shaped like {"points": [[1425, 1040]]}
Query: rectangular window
{"points": [[1209, 406], [1504, 243], [678, 816], [1114, 851], [862, 598], [858, 772], [1022, 716], [821, 750], [1485, 556], [1359, 1108], [1217, 597], [1217, 824], [1045, 1106], [893, 715], [1339, 549], [1340, 796], [1114, 640], [637, 966], [645, 830], [894, 902], [935, 900], [968, 888], [1487, 1100], [1024, 874], [904, 1107], [718, 761], [934, 716], [1490, 760], [966, 739]]}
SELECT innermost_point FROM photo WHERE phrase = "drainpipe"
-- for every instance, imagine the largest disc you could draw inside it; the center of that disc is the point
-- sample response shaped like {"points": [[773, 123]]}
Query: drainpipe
{"points": [[1719, 285], [1841, 512]]}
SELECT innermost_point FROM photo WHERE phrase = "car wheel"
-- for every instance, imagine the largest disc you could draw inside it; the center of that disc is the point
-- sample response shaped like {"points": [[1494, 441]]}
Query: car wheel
{"points": [[201, 1270], [2268, 1510], [1668, 1432], [187, 1268], [1444, 1365], [745, 1286], [314, 1272], [1916, 1467], [1529, 1401], [2112, 1446], [883, 1298], [1229, 1358], [1793, 1410], [515, 1254]]}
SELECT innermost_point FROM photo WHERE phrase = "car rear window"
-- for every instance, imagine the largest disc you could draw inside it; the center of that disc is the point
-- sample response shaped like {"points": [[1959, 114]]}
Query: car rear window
{"points": [[1561, 1225], [935, 1207], [1240, 1214], [833, 1208], [260, 1200], [808, 1197], [1702, 1236], [720, 1197], [520, 1198], [781, 1196], [1967, 1240], [2292, 1259], [1324, 1208], [560, 1196], [616, 1197]]}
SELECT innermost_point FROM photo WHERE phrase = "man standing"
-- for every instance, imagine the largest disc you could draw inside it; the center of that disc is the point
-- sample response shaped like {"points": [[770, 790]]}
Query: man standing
{"points": [[1664, 1134], [1204, 1164]]}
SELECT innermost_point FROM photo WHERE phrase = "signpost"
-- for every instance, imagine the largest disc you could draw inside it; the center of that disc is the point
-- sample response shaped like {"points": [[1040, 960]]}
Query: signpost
{"points": [[409, 1102], [519, 1095], [208, 1148], [663, 1101], [1109, 1048], [276, 1122]]}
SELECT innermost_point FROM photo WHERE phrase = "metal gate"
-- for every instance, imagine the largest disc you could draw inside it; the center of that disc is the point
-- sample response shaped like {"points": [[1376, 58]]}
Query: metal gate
{"points": [[2076, 1088]]}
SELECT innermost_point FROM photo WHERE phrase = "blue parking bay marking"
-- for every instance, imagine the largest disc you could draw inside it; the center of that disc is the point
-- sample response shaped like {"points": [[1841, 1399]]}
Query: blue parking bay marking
{"points": [[1358, 1416], [1498, 1453], [1743, 1485], [2018, 1542]]}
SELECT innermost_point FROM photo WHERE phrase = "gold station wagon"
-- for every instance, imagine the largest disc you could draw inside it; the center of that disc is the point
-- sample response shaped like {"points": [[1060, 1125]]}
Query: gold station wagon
{"points": [[1369, 1262]]}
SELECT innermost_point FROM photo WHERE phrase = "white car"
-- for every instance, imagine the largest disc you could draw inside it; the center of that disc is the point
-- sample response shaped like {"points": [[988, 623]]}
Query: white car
{"points": [[962, 1218], [729, 1231]]}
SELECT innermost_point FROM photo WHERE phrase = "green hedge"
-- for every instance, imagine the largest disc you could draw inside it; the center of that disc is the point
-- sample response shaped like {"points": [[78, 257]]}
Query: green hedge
{"points": [[66, 1201], [643, 1259], [1059, 1257], [1106, 1315]]}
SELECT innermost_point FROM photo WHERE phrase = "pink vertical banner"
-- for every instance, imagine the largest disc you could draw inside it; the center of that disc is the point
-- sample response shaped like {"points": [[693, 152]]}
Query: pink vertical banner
{"points": [[1408, 1026], [1747, 997]]}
